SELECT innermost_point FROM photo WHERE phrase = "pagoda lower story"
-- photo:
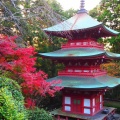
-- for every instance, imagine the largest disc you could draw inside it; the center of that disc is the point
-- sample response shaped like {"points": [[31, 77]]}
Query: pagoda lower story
{"points": [[82, 97], [82, 102], [83, 105]]}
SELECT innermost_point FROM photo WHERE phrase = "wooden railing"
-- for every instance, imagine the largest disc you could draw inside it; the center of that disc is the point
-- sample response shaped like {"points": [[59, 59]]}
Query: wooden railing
{"points": [[84, 43], [82, 72]]}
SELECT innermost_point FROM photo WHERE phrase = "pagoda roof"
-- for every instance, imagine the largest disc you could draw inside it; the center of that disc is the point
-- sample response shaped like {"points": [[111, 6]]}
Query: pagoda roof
{"points": [[86, 82], [79, 23], [81, 53]]}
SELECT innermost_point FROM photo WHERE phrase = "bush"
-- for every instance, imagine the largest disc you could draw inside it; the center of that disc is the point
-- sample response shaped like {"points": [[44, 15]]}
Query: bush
{"points": [[11, 101], [39, 114]]}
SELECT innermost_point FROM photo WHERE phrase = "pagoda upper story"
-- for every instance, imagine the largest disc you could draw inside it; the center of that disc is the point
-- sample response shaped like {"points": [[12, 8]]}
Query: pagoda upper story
{"points": [[82, 55]]}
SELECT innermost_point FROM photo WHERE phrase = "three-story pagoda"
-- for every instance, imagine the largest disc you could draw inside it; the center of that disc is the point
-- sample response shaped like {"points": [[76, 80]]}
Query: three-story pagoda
{"points": [[84, 82]]}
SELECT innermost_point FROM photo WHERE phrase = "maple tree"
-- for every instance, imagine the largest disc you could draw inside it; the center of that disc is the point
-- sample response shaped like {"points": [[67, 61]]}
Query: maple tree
{"points": [[19, 64], [112, 68]]}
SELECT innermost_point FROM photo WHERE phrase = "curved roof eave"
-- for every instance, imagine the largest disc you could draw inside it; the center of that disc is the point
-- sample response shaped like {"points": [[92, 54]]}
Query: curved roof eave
{"points": [[87, 82], [80, 53], [111, 31], [107, 30], [74, 53], [82, 29], [112, 55]]}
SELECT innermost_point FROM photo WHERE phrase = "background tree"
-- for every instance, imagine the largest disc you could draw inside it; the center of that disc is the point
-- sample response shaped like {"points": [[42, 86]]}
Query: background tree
{"points": [[109, 15], [94, 12], [19, 13], [109, 12]]}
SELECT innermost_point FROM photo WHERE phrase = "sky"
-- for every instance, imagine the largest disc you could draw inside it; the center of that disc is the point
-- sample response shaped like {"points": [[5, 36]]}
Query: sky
{"points": [[75, 4]]}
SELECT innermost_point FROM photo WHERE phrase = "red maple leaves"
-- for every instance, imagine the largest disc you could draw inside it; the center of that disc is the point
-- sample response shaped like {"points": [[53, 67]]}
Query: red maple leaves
{"points": [[20, 63]]}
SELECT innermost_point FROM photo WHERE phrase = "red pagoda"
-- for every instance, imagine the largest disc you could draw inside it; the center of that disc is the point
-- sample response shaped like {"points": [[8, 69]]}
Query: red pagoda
{"points": [[84, 82]]}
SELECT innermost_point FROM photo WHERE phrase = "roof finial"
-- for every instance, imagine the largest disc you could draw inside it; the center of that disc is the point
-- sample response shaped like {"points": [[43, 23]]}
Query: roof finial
{"points": [[82, 4], [82, 9]]}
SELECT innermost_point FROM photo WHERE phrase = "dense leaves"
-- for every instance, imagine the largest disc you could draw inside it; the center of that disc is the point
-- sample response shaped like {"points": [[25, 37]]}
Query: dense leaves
{"points": [[109, 15], [25, 16], [112, 68], [110, 12], [11, 101], [39, 114], [19, 64]]}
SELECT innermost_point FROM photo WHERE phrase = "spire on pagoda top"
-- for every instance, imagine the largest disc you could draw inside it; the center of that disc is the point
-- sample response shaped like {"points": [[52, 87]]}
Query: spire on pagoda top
{"points": [[82, 9]]}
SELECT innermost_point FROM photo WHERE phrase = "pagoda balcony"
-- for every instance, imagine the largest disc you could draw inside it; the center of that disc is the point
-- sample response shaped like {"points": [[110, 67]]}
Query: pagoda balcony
{"points": [[82, 44], [83, 72]]}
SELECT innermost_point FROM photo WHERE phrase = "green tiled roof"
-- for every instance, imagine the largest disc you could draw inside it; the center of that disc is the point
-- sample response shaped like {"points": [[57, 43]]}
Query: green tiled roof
{"points": [[79, 23], [79, 53], [87, 82]]}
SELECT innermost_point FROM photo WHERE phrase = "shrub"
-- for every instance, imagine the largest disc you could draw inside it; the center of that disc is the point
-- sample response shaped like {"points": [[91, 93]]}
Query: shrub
{"points": [[39, 114], [11, 101]]}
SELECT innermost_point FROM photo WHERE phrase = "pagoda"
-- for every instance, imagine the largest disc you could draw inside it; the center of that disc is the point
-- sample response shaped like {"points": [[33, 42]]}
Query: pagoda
{"points": [[84, 82]]}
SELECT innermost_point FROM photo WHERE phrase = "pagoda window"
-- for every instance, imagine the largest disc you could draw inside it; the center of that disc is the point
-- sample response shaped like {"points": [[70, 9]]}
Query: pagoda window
{"points": [[85, 43], [72, 44], [87, 102], [87, 106], [70, 70], [86, 70], [91, 71], [67, 108], [68, 100], [86, 111], [67, 103], [77, 70], [78, 43]]}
